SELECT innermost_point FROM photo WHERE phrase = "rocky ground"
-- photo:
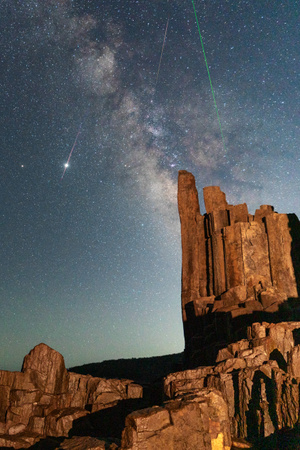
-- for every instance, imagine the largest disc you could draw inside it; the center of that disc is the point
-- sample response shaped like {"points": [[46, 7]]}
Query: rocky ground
{"points": [[248, 399]]}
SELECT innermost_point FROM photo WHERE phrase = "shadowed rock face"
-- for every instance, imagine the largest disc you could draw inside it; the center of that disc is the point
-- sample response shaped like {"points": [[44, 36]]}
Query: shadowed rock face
{"points": [[233, 264], [259, 378]]}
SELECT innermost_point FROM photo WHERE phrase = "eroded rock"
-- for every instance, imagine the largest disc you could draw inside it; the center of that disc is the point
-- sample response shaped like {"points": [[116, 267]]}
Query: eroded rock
{"points": [[259, 379], [242, 263], [198, 421], [45, 399]]}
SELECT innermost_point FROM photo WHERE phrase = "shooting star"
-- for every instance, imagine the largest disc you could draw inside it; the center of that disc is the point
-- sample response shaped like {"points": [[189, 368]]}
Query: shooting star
{"points": [[74, 145], [162, 50]]}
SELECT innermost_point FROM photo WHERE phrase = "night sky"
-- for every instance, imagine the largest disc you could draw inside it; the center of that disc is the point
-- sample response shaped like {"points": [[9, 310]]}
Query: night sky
{"points": [[91, 258]]}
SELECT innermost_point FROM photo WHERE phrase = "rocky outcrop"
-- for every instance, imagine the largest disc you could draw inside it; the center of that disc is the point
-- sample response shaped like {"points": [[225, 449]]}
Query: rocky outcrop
{"points": [[87, 443], [44, 399], [259, 378], [234, 264], [196, 421], [241, 315]]}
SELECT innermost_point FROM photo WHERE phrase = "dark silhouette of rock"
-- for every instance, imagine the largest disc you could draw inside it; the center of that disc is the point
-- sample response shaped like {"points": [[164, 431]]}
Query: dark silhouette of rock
{"points": [[141, 370]]}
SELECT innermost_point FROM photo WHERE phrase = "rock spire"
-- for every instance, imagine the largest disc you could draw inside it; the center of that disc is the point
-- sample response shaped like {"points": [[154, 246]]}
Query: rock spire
{"points": [[233, 263]]}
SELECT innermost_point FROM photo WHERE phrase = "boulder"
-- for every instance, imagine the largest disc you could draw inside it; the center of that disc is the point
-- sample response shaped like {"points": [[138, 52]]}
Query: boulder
{"points": [[193, 422], [47, 370], [59, 422]]}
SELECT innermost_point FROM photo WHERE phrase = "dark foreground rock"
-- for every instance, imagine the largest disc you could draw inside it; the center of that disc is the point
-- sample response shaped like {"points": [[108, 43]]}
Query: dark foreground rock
{"points": [[141, 370]]}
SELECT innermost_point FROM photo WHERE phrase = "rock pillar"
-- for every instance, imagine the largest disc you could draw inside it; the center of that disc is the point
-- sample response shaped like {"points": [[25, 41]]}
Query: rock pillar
{"points": [[233, 264]]}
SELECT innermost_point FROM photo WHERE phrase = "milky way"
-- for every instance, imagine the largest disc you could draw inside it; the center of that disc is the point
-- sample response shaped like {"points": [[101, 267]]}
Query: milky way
{"points": [[91, 263]]}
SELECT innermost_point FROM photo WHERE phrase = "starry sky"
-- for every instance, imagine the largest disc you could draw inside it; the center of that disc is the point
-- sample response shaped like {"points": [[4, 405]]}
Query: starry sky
{"points": [[91, 253]]}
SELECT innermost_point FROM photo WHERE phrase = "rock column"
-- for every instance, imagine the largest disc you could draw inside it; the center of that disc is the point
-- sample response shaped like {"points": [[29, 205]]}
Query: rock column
{"points": [[233, 263]]}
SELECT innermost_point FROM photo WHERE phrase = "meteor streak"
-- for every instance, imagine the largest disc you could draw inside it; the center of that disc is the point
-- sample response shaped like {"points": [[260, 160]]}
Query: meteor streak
{"points": [[162, 50], [207, 68], [74, 145]]}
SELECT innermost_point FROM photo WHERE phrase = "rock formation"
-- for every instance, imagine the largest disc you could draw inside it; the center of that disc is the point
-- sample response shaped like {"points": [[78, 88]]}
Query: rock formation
{"points": [[44, 399], [196, 421], [241, 317], [259, 378], [234, 264]]}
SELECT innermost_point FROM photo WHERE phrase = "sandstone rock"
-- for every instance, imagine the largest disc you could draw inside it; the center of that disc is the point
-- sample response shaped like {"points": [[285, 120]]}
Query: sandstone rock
{"points": [[192, 422], [21, 441], [238, 213], [45, 400], [236, 347], [262, 212], [186, 381], [223, 354], [194, 279], [256, 378], [47, 368], [240, 443], [230, 365], [36, 425], [214, 199], [282, 338], [243, 263], [281, 264], [218, 257], [234, 296], [87, 443], [134, 391], [16, 429], [218, 219], [257, 331], [253, 305], [240, 312], [294, 362], [59, 422]]}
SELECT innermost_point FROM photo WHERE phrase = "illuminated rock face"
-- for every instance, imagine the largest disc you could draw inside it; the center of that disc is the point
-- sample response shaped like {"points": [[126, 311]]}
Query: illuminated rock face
{"points": [[196, 421], [233, 264], [44, 399], [258, 377]]}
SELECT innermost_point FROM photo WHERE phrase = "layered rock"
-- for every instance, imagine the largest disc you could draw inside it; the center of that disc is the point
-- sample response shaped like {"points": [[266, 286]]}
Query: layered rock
{"points": [[196, 421], [240, 310], [233, 264], [44, 399], [259, 378]]}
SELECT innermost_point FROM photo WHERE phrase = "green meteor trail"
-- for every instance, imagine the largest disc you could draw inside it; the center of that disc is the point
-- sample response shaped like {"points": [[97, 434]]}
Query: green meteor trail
{"points": [[207, 68]]}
